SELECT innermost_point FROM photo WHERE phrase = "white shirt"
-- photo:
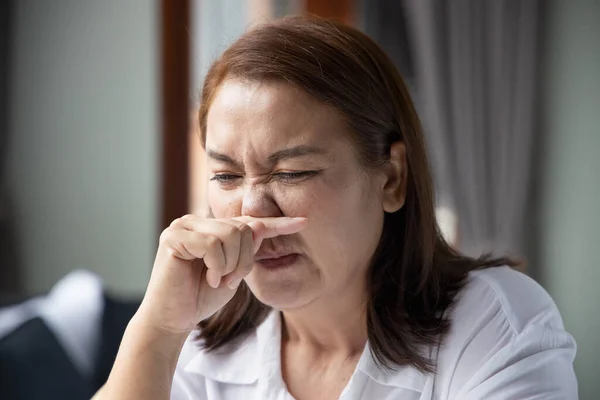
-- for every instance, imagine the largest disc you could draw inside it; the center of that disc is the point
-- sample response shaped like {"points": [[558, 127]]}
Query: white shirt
{"points": [[507, 341]]}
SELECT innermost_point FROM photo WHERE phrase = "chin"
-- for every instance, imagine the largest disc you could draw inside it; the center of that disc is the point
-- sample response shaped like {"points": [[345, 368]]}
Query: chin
{"points": [[280, 293]]}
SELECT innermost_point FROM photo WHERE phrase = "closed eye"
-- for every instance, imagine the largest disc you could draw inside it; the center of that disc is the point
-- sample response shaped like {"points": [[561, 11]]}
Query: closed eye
{"points": [[294, 176], [224, 178], [288, 177]]}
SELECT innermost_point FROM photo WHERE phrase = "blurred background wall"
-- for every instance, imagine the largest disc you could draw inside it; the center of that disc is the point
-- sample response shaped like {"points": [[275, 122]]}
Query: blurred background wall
{"points": [[569, 266], [82, 158]]}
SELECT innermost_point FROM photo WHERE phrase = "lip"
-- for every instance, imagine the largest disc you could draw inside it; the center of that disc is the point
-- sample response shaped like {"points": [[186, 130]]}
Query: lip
{"points": [[277, 260], [263, 255]]}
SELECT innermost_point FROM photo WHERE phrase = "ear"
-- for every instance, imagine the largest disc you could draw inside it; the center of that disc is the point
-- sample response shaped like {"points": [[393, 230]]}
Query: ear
{"points": [[396, 172]]}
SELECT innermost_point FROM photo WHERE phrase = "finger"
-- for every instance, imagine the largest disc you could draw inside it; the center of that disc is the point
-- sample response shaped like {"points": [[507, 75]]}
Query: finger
{"points": [[265, 228], [240, 258], [189, 245], [246, 257], [227, 231], [214, 259], [185, 221], [272, 227]]}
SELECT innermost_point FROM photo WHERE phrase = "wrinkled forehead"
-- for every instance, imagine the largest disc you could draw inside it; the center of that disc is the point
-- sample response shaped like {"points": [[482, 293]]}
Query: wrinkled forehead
{"points": [[267, 116]]}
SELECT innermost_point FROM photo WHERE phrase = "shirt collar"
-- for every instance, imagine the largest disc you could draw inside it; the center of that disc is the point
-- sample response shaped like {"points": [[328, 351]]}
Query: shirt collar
{"points": [[241, 362], [405, 376], [238, 364]]}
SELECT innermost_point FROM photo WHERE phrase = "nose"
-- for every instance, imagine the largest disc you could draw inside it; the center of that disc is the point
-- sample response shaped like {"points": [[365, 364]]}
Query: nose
{"points": [[258, 202]]}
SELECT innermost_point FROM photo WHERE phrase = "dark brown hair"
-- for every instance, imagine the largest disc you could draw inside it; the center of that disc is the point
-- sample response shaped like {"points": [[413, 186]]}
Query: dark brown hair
{"points": [[414, 274]]}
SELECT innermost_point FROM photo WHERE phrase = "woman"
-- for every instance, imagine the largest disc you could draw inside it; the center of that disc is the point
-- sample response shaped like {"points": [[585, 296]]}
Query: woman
{"points": [[323, 274]]}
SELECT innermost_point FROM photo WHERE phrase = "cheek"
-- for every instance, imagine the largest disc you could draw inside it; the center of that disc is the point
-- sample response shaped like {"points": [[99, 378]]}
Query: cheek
{"points": [[345, 222], [297, 201], [314, 199], [224, 203], [336, 198]]}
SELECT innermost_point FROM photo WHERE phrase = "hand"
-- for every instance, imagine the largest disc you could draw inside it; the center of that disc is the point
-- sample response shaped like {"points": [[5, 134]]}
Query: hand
{"points": [[199, 265]]}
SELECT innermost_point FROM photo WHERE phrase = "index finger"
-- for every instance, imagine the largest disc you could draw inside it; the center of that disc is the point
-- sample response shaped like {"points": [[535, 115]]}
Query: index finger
{"points": [[266, 228]]}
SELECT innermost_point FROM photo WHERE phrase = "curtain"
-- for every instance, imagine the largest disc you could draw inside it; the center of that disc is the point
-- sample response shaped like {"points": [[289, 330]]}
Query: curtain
{"points": [[475, 65]]}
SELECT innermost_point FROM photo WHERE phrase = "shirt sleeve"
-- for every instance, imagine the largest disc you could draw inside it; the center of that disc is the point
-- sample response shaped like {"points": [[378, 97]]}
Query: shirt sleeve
{"points": [[537, 364]]}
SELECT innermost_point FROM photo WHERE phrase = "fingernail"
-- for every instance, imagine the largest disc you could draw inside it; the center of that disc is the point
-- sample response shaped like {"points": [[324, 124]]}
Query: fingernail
{"points": [[235, 283]]}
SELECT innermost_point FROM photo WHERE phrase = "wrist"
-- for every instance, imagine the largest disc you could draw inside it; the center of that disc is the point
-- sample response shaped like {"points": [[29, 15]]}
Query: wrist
{"points": [[146, 361], [163, 322], [145, 335]]}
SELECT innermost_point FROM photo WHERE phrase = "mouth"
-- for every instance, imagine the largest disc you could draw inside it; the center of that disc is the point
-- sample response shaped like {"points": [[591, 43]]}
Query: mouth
{"points": [[276, 260]]}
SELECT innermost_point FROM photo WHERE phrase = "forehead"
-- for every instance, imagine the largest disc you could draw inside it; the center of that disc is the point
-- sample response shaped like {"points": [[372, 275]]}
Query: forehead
{"points": [[268, 115]]}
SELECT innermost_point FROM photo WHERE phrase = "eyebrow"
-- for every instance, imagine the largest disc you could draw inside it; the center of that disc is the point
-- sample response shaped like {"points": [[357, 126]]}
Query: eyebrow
{"points": [[292, 152], [221, 157]]}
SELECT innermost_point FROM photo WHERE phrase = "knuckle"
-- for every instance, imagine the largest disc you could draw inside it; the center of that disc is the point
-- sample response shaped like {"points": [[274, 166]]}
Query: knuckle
{"points": [[166, 235], [232, 232], [245, 231], [176, 222], [259, 226], [181, 221], [212, 242]]}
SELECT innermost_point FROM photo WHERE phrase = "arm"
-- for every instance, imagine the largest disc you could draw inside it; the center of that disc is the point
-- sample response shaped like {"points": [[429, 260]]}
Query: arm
{"points": [[145, 364]]}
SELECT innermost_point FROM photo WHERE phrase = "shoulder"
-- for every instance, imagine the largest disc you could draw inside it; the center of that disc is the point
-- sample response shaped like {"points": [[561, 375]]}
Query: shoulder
{"points": [[503, 324], [518, 300]]}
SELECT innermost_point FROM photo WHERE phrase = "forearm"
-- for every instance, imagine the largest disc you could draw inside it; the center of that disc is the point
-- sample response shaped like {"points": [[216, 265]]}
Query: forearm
{"points": [[145, 364]]}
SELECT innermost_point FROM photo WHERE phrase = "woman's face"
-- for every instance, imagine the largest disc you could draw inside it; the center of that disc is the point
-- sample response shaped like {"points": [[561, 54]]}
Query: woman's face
{"points": [[274, 151]]}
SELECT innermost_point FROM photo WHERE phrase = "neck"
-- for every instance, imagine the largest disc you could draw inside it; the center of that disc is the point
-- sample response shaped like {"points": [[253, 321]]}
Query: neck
{"points": [[333, 324]]}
